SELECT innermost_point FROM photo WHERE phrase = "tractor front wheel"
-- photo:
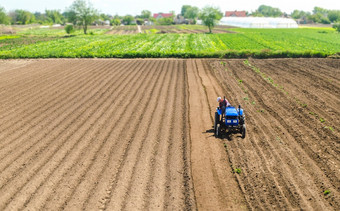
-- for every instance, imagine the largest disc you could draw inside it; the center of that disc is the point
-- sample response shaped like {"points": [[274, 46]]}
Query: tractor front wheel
{"points": [[243, 131]]}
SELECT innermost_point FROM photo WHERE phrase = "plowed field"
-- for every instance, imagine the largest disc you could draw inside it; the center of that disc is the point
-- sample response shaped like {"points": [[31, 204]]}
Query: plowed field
{"points": [[137, 135]]}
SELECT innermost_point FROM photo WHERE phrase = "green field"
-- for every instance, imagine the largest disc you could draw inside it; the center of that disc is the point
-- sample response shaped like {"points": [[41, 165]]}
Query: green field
{"points": [[260, 43]]}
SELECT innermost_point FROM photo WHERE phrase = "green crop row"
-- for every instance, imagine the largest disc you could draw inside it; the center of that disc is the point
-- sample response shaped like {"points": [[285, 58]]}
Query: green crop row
{"points": [[266, 43]]}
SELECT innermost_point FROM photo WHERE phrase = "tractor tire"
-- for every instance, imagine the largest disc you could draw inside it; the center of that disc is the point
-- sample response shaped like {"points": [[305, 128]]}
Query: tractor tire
{"points": [[244, 131], [217, 121], [218, 131]]}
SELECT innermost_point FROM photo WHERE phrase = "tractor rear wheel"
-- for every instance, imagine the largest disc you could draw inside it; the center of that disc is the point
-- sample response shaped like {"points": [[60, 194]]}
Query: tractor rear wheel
{"points": [[243, 131], [218, 131], [217, 121]]}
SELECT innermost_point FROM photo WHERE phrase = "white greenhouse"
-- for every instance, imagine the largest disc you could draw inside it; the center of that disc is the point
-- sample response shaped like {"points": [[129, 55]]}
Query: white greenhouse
{"points": [[259, 22]]}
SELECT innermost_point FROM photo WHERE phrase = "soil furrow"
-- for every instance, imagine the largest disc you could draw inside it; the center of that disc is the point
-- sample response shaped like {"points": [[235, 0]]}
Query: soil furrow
{"points": [[137, 134], [204, 167], [78, 145], [110, 162], [140, 172], [84, 163], [58, 119], [41, 102], [155, 183], [18, 94], [73, 199], [118, 154], [284, 125], [47, 104], [123, 169], [66, 139]]}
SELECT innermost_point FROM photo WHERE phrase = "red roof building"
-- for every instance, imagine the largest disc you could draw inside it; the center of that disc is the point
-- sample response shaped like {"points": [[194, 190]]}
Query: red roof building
{"points": [[235, 14], [162, 15]]}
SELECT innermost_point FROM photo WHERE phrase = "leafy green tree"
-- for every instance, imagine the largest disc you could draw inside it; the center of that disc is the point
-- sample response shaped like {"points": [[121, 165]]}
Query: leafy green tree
{"points": [[84, 12], [128, 19], [334, 15], [23, 17], [104, 17], [41, 18], [55, 16], [184, 9], [210, 16], [325, 20], [336, 26], [71, 17], [297, 14], [118, 17], [146, 14], [4, 19], [316, 18], [115, 22], [320, 10], [192, 13], [268, 11]]}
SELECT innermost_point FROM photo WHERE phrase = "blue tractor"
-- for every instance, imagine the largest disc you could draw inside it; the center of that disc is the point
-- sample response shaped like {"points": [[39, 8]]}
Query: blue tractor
{"points": [[233, 120]]}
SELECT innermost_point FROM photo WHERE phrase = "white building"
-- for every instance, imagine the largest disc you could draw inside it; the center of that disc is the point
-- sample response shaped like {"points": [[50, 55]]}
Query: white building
{"points": [[259, 22]]}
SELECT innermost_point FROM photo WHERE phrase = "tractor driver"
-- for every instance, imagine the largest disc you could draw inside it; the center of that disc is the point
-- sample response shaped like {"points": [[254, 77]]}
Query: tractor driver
{"points": [[223, 103]]}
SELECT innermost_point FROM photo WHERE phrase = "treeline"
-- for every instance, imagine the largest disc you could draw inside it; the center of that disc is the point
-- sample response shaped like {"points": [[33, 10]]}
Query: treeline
{"points": [[191, 13], [319, 15]]}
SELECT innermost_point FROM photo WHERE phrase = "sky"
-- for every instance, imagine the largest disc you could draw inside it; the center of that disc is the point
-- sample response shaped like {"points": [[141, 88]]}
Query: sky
{"points": [[134, 7]]}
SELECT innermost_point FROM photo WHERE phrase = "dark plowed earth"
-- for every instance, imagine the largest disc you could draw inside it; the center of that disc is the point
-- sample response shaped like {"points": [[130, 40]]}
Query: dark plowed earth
{"points": [[95, 134], [111, 134]]}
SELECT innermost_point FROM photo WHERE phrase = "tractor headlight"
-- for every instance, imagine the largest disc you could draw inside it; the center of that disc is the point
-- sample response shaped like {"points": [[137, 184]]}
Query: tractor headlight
{"points": [[235, 121], [228, 121]]}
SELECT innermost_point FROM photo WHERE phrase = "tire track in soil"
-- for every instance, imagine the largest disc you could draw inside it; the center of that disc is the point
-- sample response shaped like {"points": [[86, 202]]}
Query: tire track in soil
{"points": [[298, 173], [215, 186], [260, 153], [64, 134], [239, 141], [244, 183]]}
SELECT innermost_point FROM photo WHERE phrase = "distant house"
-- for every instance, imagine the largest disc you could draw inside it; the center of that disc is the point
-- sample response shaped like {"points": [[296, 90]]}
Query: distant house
{"points": [[181, 20], [162, 15], [235, 14]]}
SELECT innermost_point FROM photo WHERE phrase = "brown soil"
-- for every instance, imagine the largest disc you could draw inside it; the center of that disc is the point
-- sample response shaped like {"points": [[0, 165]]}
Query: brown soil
{"points": [[95, 134], [137, 134], [289, 157]]}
